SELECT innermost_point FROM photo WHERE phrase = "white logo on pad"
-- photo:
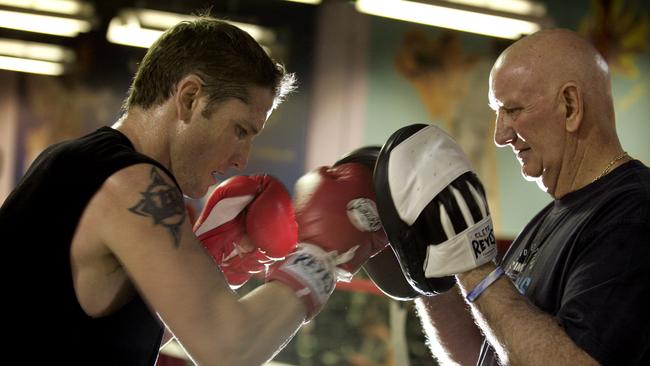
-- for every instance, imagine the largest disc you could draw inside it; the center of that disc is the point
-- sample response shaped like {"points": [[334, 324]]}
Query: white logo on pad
{"points": [[470, 249]]}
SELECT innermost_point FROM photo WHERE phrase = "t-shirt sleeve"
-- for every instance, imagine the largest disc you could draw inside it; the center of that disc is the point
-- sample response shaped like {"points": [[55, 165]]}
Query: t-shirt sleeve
{"points": [[605, 307]]}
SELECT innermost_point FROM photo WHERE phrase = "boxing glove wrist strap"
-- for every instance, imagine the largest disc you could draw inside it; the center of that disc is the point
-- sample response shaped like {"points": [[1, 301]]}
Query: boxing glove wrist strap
{"points": [[485, 283], [310, 272]]}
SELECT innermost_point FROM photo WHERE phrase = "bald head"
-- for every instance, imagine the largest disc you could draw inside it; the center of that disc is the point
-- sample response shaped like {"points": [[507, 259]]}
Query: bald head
{"points": [[560, 53], [552, 94], [553, 57]]}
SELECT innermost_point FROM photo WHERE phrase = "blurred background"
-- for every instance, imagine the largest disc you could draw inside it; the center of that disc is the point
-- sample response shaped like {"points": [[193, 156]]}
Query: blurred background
{"points": [[365, 69]]}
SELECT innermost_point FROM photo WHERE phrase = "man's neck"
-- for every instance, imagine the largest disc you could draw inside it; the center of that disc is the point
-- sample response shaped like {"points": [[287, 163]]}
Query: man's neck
{"points": [[588, 165], [146, 129]]}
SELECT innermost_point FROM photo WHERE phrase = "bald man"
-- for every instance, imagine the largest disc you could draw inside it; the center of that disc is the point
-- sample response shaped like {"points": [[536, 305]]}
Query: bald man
{"points": [[576, 289]]}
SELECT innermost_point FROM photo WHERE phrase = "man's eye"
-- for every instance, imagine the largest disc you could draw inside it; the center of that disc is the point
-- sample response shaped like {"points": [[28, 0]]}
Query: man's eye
{"points": [[241, 132], [512, 110]]}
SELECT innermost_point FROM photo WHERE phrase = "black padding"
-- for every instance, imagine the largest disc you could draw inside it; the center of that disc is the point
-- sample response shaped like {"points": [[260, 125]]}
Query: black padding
{"points": [[451, 203], [385, 272], [366, 155], [463, 188], [409, 242], [447, 199]]}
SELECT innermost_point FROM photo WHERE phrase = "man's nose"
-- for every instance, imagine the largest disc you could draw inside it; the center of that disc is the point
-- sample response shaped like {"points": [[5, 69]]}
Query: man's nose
{"points": [[240, 159], [503, 132]]}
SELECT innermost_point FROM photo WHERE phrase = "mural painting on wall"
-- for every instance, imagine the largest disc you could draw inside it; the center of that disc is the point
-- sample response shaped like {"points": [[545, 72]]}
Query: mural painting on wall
{"points": [[55, 111], [621, 32], [453, 86]]}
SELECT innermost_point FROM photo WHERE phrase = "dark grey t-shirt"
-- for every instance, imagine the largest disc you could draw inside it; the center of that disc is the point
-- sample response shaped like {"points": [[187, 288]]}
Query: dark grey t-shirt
{"points": [[585, 259]]}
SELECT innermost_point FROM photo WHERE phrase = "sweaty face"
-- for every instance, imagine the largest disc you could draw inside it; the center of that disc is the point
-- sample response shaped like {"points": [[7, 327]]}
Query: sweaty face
{"points": [[529, 121], [211, 143]]}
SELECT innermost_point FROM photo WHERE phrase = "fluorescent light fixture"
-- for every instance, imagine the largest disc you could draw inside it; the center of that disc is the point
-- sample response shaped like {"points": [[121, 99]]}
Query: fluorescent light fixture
{"points": [[32, 57], [34, 50], [65, 18], [313, 2], [461, 18], [31, 66], [141, 27], [68, 7], [125, 29], [67, 27], [523, 7]]}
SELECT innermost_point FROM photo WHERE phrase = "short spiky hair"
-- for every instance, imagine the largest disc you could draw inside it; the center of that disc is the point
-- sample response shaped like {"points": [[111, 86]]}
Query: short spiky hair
{"points": [[228, 60]]}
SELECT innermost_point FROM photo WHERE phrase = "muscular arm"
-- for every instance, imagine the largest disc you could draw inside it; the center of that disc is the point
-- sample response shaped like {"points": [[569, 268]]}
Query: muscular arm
{"points": [[520, 333], [140, 218], [452, 335]]}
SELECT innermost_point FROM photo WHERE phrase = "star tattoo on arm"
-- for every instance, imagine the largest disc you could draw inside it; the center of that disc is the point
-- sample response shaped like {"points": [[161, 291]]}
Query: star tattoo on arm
{"points": [[164, 204]]}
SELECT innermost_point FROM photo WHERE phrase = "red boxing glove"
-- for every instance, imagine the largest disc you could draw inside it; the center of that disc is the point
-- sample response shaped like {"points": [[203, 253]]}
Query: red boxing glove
{"points": [[335, 209], [247, 223], [338, 230]]}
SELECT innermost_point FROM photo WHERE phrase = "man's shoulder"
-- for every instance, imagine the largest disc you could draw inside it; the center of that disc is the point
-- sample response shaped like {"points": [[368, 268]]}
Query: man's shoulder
{"points": [[628, 189], [620, 206], [139, 176], [96, 146], [635, 174], [632, 189]]}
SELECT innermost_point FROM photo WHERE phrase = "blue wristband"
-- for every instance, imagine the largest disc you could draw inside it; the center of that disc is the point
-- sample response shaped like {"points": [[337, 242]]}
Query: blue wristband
{"points": [[485, 283]]}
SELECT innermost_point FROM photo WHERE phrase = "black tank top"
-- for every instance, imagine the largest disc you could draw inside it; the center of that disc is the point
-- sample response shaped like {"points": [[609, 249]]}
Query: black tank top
{"points": [[37, 222]]}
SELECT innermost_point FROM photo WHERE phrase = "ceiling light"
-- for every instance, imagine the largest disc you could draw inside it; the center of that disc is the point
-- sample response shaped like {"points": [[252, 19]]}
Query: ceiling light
{"points": [[69, 7], [141, 27], [125, 29], [461, 17], [34, 50], [66, 27], [313, 2], [57, 17], [32, 57], [31, 66], [523, 7]]}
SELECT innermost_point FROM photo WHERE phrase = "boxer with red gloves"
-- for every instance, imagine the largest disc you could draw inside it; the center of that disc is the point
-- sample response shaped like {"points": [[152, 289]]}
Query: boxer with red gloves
{"points": [[338, 230], [247, 223]]}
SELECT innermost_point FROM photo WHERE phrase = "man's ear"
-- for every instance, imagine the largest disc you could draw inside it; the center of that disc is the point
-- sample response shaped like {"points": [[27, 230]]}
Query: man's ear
{"points": [[571, 98], [187, 95]]}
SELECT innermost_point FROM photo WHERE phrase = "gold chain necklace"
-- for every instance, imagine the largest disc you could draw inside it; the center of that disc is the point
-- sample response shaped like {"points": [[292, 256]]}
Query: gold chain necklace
{"points": [[611, 163]]}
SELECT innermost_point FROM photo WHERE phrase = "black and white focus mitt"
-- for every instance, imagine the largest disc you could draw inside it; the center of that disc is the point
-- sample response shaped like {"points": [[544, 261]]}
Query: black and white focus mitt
{"points": [[433, 207]]}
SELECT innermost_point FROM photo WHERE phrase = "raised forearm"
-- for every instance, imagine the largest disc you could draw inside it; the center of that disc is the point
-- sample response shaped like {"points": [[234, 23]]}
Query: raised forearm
{"points": [[521, 333], [275, 314], [453, 336]]}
